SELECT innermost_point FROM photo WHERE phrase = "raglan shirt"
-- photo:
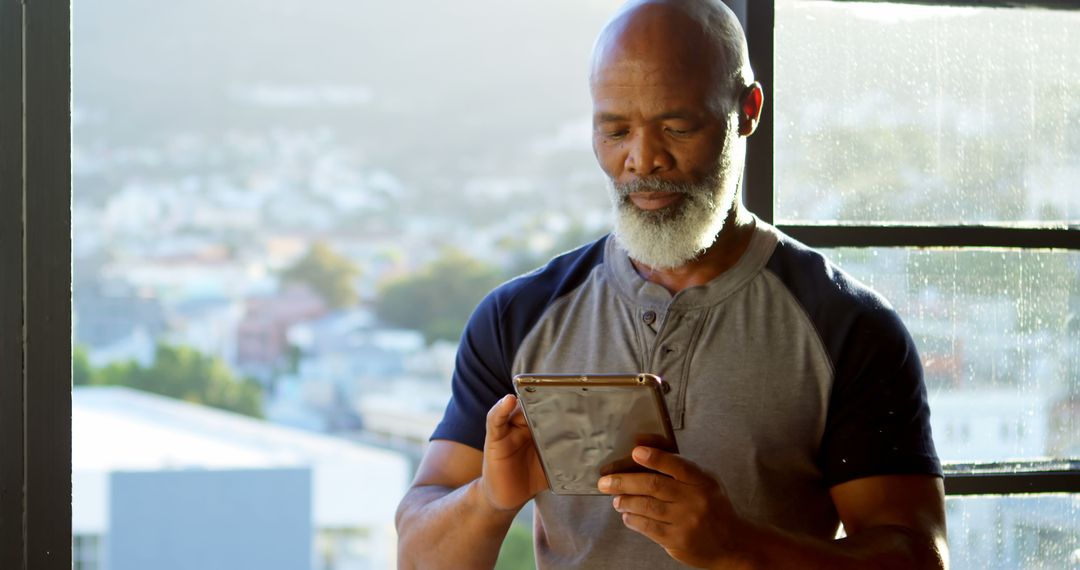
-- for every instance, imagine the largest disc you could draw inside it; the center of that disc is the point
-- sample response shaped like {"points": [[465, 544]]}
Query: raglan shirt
{"points": [[787, 377]]}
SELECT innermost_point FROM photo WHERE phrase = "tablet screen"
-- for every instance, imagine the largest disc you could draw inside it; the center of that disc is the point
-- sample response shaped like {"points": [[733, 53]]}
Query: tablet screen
{"points": [[586, 425]]}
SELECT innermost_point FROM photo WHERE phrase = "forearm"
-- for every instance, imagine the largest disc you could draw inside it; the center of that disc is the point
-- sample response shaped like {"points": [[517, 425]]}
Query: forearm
{"points": [[883, 547], [439, 527]]}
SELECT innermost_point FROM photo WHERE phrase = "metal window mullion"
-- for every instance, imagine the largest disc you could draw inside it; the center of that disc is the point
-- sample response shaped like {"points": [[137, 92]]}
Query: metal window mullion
{"points": [[1048, 4], [47, 295], [1007, 483], [992, 236], [758, 187], [12, 474], [1013, 477]]}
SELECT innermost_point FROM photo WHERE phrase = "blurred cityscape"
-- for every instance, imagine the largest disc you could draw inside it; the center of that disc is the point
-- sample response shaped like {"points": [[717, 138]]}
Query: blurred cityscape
{"points": [[286, 211]]}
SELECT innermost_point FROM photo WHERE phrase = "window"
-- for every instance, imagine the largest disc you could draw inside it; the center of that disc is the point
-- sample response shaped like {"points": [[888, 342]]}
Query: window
{"points": [[921, 120], [931, 150], [923, 245], [282, 216]]}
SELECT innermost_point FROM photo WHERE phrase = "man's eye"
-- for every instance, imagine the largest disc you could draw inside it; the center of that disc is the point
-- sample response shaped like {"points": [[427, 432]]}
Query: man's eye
{"points": [[679, 132], [615, 135]]}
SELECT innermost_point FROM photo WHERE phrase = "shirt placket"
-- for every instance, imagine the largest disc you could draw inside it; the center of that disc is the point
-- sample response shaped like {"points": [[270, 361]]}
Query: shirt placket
{"points": [[669, 348]]}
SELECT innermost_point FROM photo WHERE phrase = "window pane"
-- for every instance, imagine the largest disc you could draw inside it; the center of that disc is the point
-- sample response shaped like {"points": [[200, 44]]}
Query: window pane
{"points": [[283, 213], [999, 336], [1014, 532], [891, 112]]}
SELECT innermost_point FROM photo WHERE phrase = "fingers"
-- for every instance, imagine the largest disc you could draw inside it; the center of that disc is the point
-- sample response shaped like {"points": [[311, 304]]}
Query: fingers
{"points": [[673, 470], [653, 529], [679, 506], [671, 464], [654, 485], [648, 507]]}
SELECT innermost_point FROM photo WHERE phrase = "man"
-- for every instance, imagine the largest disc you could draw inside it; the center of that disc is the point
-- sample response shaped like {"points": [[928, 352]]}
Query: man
{"points": [[797, 395]]}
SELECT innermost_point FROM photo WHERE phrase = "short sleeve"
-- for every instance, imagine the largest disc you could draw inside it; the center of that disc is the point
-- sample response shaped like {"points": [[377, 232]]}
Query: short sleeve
{"points": [[879, 419], [481, 377]]}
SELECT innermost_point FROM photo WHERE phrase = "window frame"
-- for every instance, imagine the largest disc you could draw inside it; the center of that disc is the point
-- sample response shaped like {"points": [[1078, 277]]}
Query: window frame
{"points": [[988, 478], [35, 284]]}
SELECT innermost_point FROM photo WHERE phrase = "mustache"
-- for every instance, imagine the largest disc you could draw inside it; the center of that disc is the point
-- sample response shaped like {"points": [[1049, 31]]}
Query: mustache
{"points": [[624, 189]]}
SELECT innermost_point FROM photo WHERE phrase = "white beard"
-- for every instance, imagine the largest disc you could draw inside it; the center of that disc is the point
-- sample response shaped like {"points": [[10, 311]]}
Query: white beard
{"points": [[674, 235]]}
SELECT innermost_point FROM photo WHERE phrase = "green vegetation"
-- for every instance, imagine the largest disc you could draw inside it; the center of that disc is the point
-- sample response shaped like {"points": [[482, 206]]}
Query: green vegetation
{"points": [[82, 374], [328, 273], [517, 549], [177, 372], [438, 299]]}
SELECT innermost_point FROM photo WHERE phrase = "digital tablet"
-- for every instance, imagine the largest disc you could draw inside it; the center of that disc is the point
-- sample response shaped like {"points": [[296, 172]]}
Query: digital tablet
{"points": [[586, 425]]}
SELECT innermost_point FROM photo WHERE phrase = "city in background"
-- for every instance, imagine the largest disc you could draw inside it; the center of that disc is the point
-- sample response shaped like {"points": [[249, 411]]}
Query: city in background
{"points": [[284, 212]]}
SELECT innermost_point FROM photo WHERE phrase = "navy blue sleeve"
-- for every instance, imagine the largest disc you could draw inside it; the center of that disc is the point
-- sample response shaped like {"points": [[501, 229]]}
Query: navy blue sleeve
{"points": [[481, 377], [879, 418], [878, 421]]}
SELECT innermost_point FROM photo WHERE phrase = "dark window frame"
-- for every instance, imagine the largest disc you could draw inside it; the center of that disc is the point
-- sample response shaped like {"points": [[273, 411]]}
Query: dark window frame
{"points": [[997, 478], [35, 284]]}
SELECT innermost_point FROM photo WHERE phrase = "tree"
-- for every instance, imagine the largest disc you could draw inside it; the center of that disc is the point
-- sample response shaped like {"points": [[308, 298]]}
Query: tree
{"points": [[183, 373], [329, 274], [81, 371], [439, 298]]}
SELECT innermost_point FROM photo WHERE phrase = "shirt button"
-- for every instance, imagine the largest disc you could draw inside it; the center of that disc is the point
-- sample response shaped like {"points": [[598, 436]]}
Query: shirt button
{"points": [[649, 317]]}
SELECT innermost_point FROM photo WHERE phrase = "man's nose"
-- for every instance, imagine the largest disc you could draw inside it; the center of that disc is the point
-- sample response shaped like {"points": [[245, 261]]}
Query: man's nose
{"points": [[647, 155]]}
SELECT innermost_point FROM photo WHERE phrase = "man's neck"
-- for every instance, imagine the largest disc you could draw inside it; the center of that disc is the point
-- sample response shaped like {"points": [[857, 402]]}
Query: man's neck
{"points": [[722, 255]]}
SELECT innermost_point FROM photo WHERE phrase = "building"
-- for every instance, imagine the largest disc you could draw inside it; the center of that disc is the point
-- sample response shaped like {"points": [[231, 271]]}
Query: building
{"points": [[137, 456], [262, 347]]}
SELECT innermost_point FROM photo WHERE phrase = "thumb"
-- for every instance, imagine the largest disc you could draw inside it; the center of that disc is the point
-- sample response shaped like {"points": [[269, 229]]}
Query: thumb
{"points": [[499, 415]]}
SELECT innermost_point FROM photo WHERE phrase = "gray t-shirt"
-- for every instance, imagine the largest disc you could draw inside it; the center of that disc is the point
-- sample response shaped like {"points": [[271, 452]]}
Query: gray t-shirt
{"points": [[787, 377]]}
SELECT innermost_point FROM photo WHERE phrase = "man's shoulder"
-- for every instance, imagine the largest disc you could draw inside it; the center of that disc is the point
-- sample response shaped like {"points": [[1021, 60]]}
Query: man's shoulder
{"points": [[836, 303], [815, 280]]}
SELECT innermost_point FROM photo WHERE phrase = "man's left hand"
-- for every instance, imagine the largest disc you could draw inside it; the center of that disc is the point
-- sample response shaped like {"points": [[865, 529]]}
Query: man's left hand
{"points": [[682, 508]]}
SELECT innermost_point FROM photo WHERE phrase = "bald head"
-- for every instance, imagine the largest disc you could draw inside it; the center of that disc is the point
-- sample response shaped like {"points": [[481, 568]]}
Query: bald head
{"points": [[688, 38], [673, 103]]}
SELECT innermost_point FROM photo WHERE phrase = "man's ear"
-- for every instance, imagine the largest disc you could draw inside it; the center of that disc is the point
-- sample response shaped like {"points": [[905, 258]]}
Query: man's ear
{"points": [[750, 103]]}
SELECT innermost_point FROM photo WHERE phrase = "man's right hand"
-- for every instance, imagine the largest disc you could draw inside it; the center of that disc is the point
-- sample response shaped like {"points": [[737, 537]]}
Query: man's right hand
{"points": [[512, 473], [463, 500]]}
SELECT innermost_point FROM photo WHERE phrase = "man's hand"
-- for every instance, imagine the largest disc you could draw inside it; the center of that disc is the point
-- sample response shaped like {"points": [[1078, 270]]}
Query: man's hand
{"points": [[463, 500], [683, 509], [512, 473]]}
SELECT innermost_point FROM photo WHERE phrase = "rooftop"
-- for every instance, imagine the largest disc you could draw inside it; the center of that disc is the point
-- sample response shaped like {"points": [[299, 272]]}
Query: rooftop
{"points": [[120, 429]]}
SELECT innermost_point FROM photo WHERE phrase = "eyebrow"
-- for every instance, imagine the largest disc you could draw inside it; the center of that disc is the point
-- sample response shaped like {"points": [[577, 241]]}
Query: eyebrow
{"points": [[609, 118], [673, 114], [678, 114]]}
